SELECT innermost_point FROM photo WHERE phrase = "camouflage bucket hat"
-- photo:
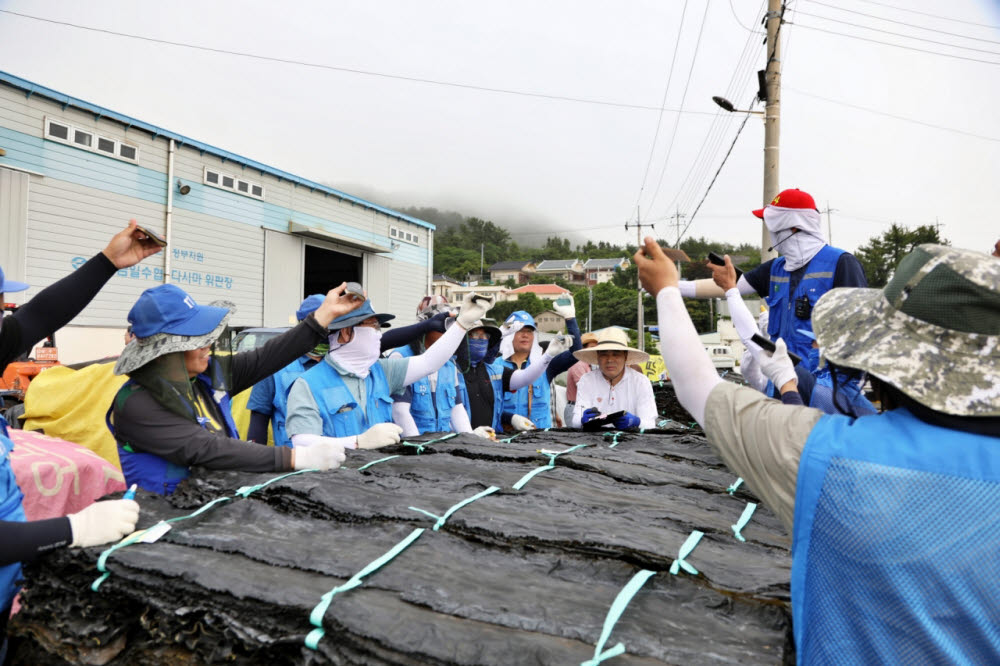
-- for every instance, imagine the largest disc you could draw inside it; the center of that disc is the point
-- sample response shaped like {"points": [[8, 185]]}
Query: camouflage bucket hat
{"points": [[933, 332], [141, 351]]}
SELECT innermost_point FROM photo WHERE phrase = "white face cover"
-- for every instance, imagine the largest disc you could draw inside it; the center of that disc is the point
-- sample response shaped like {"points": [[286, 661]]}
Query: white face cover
{"points": [[360, 354], [800, 247]]}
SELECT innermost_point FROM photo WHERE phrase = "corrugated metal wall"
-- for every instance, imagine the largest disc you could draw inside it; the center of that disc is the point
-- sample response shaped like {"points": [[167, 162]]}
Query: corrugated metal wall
{"points": [[13, 223]]}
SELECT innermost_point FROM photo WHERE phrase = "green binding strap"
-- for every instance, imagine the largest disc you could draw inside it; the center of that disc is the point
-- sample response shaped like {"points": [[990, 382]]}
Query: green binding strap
{"points": [[375, 462], [614, 435], [102, 561], [245, 491], [420, 446], [447, 514], [615, 612], [689, 544], [744, 519], [510, 439], [316, 617], [736, 484], [552, 463]]}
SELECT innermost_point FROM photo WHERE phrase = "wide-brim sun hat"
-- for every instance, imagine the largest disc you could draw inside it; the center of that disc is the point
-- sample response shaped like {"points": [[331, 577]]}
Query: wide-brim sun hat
{"points": [[355, 317], [933, 332], [141, 351], [612, 339]]}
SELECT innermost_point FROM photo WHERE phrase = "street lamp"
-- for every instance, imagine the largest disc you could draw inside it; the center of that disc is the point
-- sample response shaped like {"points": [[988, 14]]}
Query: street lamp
{"points": [[728, 106]]}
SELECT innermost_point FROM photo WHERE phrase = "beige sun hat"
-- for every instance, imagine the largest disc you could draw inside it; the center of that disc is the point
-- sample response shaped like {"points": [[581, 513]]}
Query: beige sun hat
{"points": [[933, 332], [612, 339]]}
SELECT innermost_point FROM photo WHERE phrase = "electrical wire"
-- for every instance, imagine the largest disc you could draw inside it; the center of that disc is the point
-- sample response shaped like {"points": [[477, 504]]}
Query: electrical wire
{"points": [[937, 16], [909, 25], [348, 70], [799, 12], [898, 46], [733, 10]]}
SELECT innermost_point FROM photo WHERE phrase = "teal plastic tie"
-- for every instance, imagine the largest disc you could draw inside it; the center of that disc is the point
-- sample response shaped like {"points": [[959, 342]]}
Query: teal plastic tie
{"points": [[552, 463], [689, 545], [102, 561], [316, 617], [663, 423], [614, 613], [447, 514], [744, 519], [245, 491], [614, 435], [420, 446], [510, 439], [375, 462], [736, 484]]}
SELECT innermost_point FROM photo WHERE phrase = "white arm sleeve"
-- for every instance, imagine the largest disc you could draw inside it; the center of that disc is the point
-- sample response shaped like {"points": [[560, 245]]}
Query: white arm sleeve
{"points": [[305, 440], [401, 416], [432, 359], [743, 319], [707, 288], [686, 288], [521, 378], [460, 419], [744, 286], [691, 371]]}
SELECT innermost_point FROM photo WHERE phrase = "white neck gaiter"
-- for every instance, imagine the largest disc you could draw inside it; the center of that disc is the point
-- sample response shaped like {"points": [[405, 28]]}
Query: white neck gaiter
{"points": [[798, 248], [360, 354]]}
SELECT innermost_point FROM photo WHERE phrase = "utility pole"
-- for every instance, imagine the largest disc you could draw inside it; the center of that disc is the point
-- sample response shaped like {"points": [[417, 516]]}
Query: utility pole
{"points": [[590, 309], [677, 217], [772, 116], [829, 225], [482, 275], [639, 310]]}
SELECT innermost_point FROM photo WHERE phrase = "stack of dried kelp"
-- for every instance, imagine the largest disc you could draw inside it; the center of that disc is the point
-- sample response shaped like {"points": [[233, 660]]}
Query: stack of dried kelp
{"points": [[525, 571]]}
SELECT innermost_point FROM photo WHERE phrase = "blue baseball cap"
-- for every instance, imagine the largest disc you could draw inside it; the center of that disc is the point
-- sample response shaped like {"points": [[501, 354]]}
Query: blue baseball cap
{"points": [[309, 306], [521, 317], [10, 286], [169, 309], [357, 316], [808, 334]]}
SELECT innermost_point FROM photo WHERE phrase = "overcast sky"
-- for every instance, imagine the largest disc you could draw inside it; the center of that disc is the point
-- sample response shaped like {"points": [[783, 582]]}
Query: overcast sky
{"points": [[555, 165]]}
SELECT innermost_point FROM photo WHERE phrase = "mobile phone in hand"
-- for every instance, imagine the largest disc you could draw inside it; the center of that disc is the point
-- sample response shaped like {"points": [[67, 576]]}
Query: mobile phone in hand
{"points": [[769, 347], [153, 236], [719, 261]]}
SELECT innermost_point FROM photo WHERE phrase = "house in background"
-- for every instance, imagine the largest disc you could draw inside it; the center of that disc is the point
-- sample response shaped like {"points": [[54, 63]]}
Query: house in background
{"points": [[518, 271], [570, 270], [547, 291], [602, 270], [442, 285], [550, 321]]}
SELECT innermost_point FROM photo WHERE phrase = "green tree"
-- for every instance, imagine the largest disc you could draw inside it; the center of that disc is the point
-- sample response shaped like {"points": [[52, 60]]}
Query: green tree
{"points": [[529, 302], [880, 256]]}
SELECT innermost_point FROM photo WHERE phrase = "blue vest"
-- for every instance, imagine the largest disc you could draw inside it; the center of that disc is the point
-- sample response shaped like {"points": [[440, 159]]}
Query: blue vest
{"points": [[153, 473], [817, 280], [283, 380], [848, 395], [536, 395], [10, 509], [339, 408], [895, 558], [431, 410]]}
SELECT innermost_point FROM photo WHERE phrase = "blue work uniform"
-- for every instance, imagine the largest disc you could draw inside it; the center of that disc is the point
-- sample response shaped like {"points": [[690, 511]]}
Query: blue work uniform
{"points": [[338, 407], [431, 410], [11, 509], [270, 396], [531, 401]]}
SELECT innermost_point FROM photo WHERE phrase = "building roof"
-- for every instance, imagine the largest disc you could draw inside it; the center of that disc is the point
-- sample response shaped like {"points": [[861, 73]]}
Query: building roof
{"points": [[604, 263], [101, 112], [549, 312], [509, 265], [557, 265], [439, 277], [539, 289]]}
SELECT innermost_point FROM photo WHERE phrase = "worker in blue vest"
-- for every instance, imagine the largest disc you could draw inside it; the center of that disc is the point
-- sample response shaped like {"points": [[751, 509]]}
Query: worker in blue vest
{"points": [[350, 393], [792, 283], [893, 516], [52, 308], [530, 407]]}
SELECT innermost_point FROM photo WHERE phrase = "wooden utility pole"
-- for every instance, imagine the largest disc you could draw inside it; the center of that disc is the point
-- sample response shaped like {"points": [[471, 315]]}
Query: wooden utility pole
{"points": [[640, 323], [829, 225], [772, 116]]}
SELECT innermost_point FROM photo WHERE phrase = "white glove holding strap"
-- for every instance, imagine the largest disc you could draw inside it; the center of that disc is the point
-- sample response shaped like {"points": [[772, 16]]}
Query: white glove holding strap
{"points": [[558, 345], [567, 311], [521, 424], [103, 522], [379, 435], [485, 432], [474, 308], [322, 455], [777, 366]]}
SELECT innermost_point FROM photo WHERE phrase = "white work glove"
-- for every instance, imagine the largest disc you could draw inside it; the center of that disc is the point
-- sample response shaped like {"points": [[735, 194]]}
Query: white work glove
{"points": [[777, 366], [567, 311], [379, 435], [521, 423], [103, 522], [558, 345], [485, 432], [474, 308], [322, 455]]}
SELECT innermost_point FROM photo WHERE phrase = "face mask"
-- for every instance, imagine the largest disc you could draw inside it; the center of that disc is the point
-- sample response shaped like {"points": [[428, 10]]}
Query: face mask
{"points": [[477, 350], [358, 355]]}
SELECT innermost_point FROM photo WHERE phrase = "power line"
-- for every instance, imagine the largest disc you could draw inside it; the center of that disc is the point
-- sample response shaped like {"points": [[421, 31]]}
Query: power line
{"points": [[733, 10], [937, 16], [909, 25], [898, 46], [890, 115], [663, 102], [896, 34], [348, 70]]}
